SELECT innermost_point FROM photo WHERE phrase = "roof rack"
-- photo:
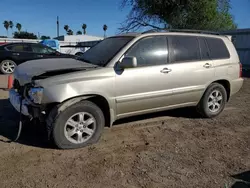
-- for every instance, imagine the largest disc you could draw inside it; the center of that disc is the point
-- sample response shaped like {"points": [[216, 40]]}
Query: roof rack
{"points": [[182, 30]]}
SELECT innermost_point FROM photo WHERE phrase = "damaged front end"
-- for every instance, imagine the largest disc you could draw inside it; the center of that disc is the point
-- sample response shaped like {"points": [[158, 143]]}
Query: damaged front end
{"points": [[27, 93], [38, 87], [27, 99], [51, 73], [27, 102]]}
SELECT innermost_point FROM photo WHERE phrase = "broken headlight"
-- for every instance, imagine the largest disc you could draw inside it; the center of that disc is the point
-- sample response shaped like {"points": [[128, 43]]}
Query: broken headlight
{"points": [[36, 94]]}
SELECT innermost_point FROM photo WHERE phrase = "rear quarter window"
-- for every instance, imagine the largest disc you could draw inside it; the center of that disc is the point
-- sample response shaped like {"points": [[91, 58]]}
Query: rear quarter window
{"points": [[217, 48], [15, 48]]}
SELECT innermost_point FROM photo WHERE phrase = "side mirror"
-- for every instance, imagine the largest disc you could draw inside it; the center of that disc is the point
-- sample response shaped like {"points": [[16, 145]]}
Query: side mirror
{"points": [[128, 62]]}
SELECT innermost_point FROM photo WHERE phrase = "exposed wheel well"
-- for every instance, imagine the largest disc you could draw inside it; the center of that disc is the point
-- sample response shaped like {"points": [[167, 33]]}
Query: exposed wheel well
{"points": [[226, 85], [102, 103], [99, 100], [7, 58]]}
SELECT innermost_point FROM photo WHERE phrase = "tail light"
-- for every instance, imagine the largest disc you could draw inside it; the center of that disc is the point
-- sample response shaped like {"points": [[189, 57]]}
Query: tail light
{"points": [[240, 73]]}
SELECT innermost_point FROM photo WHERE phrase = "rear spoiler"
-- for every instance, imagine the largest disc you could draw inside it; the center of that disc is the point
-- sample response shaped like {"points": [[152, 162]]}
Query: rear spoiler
{"points": [[229, 37]]}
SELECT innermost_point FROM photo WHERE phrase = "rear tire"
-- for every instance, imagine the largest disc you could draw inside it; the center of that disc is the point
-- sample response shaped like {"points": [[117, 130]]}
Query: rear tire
{"points": [[7, 66], [213, 101], [70, 130]]}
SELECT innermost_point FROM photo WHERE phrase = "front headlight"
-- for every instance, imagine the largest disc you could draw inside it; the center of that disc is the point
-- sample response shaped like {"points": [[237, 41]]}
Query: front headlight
{"points": [[36, 94]]}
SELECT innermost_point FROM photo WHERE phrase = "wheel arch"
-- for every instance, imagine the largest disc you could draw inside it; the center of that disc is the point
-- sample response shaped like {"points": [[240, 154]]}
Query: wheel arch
{"points": [[226, 84], [99, 100], [8, 58]]}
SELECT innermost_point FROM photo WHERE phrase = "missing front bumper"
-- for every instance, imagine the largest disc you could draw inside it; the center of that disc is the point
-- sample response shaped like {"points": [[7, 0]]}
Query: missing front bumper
{"points": [[14, 98]]}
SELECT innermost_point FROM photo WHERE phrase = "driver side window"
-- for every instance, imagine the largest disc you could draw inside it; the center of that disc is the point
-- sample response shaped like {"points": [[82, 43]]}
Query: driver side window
{"points": [[150, 51]]}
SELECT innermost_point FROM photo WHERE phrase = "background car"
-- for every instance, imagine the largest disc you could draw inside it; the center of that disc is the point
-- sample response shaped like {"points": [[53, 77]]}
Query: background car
{"points": [[13, 54]]}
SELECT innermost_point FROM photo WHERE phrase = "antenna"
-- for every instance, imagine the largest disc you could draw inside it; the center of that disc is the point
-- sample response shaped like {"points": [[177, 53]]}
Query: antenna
{"points": [[57, 23]]}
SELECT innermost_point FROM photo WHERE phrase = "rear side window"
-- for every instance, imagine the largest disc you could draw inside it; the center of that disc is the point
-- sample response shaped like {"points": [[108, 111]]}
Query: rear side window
{"points": [[185, 48], [150, 51], [218, 49], [15, 48], [204, 49]]}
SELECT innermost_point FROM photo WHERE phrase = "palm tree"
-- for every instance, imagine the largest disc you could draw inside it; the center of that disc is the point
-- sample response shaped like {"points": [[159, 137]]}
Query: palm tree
{"points": [[79, 33], [70, 32], [84, 27], [105, 28], [66, 28], [6, 25], [19, 27], [11, 26]]}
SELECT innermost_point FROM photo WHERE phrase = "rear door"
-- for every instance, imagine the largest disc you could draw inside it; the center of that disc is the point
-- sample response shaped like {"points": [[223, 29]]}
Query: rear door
{"points": [[191, 67], [221, 58], [20, 52]]}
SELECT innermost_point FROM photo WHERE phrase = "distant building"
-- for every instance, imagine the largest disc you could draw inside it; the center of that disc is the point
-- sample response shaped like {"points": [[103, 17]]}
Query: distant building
{"points": [[241, 40], [78, 38]]}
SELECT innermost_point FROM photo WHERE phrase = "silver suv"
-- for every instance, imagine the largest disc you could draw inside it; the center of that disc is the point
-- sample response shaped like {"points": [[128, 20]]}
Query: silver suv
{"points": [[127, 75]]}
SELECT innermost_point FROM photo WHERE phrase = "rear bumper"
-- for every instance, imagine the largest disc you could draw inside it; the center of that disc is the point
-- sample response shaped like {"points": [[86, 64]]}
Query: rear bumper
{"points": [[236, 85]]}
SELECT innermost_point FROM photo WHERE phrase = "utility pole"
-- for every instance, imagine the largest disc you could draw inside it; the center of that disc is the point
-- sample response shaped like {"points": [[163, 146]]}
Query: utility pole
{"points": [[57, 23]]}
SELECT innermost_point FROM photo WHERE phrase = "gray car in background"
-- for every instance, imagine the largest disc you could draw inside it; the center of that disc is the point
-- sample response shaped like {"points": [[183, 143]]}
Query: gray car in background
{"points": [[127, 75]]}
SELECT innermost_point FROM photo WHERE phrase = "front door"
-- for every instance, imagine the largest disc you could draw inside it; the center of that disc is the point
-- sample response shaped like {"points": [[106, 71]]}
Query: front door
{"points": [[41, 51], [149, 85]]}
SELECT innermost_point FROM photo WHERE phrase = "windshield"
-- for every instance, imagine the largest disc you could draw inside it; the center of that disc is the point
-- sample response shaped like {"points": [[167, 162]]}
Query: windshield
{"points": [[104, 51]]}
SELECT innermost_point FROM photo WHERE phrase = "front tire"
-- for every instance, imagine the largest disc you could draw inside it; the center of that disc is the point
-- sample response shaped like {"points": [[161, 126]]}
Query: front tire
{"points": [[7, 66], [78, 125], [213, 101]]}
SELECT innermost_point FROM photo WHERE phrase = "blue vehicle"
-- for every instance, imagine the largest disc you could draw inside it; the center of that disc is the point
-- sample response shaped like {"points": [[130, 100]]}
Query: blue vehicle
{"points": [[77, 49], [51, 43], [66, 49]]}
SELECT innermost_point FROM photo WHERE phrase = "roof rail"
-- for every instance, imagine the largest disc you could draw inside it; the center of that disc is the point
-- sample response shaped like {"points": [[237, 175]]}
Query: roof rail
{"points": [[182, 30]]}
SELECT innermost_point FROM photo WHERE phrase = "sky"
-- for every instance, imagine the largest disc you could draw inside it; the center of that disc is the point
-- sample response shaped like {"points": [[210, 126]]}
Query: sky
{"points": [[40, 15]]}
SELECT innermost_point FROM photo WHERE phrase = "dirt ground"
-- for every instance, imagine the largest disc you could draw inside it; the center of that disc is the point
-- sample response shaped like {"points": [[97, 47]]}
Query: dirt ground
{"points": [[168, 149]]}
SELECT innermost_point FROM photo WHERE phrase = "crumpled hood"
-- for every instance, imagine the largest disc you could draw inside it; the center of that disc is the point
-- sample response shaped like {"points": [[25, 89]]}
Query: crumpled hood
{"points": [[25, 71]]}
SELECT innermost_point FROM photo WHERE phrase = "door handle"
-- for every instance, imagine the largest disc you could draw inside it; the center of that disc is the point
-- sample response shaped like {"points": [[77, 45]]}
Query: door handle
{"points": [[166, 70], [15, 54], [39, 55], [207, 65]]}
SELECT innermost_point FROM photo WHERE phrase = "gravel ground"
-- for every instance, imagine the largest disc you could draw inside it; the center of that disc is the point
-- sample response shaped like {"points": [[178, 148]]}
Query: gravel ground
{"points": [[168, 149]]}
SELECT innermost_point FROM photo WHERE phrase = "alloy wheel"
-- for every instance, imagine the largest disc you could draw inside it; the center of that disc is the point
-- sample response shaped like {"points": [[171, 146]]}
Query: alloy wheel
{"points": [[215, 100], [80, 127], [8, 67]]}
